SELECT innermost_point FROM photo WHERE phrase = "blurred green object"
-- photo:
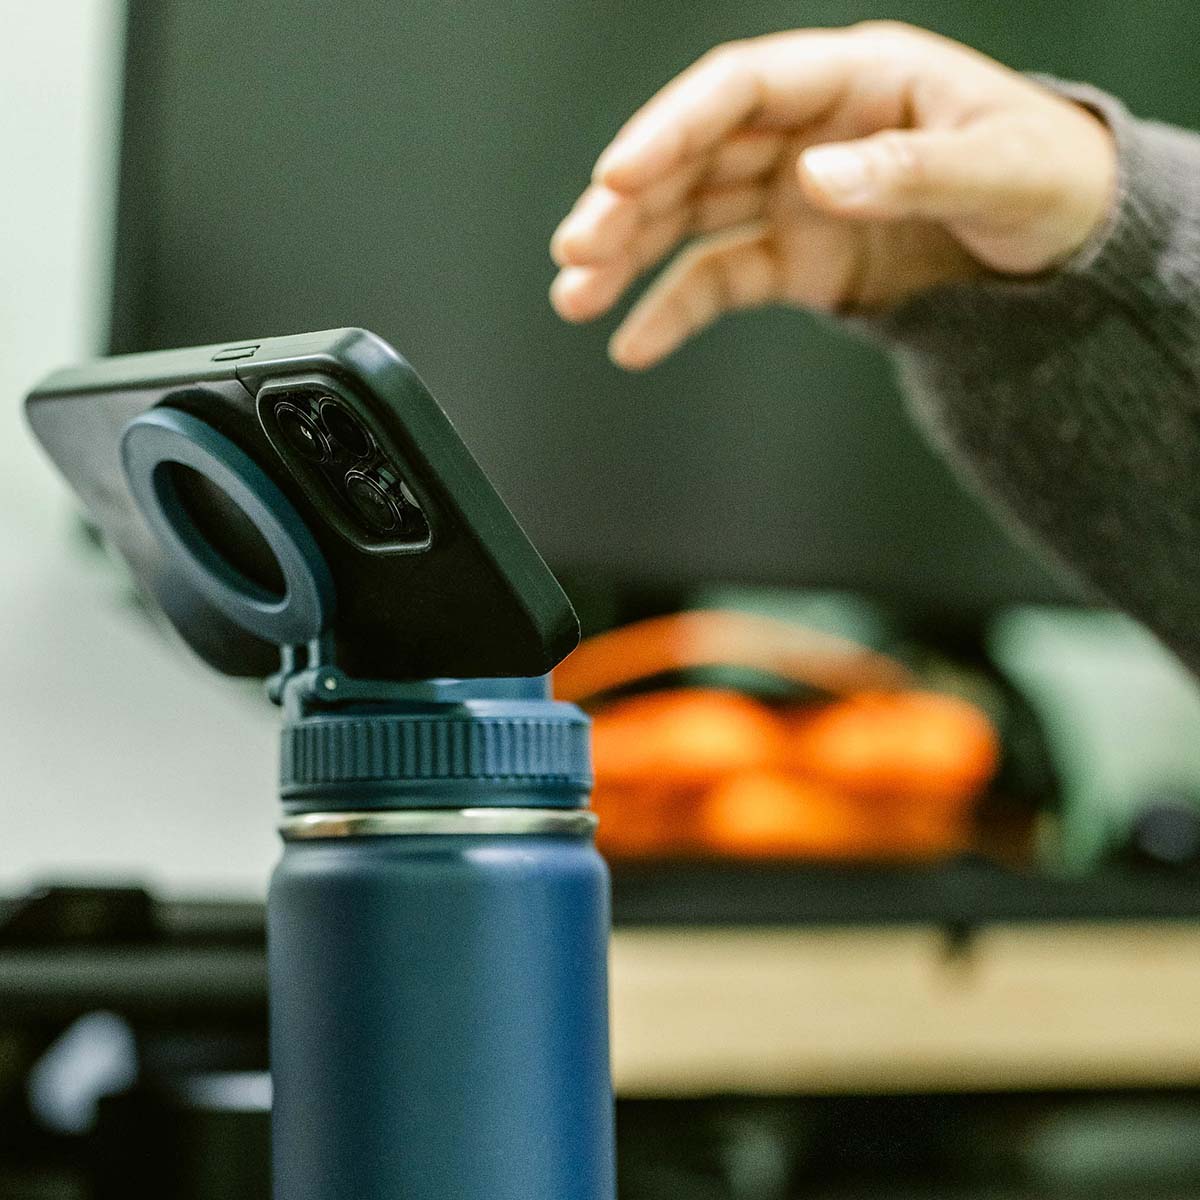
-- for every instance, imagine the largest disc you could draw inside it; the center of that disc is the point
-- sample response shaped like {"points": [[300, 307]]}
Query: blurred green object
{"points": [[1120, 714], [840, 614]]}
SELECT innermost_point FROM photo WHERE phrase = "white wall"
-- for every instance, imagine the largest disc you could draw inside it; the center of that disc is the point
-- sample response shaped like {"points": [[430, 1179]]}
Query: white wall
{"points": [[118, 755]]}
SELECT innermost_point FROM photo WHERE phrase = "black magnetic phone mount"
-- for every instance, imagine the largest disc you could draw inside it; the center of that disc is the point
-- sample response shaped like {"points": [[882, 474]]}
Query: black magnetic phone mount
{"points": [[299, 621], [157, 442]]}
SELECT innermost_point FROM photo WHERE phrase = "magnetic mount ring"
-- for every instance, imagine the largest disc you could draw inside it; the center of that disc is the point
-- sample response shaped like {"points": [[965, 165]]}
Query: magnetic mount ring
{"points": [[162, 437]]}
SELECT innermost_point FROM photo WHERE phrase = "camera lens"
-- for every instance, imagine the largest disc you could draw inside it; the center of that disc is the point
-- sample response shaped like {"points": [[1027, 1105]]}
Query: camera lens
{"points": [[372, 502], [301, 432], [345, 429]]}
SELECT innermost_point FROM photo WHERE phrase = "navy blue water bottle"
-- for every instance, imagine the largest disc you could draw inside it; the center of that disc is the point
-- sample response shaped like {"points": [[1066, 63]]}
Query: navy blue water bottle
{"points": [[438, 925], [438, 931]]}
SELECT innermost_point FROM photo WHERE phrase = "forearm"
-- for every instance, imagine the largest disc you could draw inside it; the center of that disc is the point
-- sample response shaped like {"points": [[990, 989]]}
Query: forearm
{"points": [[1073, 400]]}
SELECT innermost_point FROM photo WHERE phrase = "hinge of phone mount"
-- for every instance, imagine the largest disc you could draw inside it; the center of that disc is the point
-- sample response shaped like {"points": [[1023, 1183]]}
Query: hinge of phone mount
{"points": [[309, 679]]}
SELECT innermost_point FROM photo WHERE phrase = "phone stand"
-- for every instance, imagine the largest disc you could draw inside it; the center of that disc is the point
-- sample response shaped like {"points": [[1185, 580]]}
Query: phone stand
{"points": [[438, 924]]}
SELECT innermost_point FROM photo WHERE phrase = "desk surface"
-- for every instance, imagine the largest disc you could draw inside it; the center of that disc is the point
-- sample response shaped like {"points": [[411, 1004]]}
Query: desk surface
{"points": [[902, 1009], [956, 977]]}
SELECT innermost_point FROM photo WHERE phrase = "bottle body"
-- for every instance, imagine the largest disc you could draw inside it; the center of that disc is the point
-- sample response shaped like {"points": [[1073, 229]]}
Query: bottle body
{"points": [[439, 1008]]}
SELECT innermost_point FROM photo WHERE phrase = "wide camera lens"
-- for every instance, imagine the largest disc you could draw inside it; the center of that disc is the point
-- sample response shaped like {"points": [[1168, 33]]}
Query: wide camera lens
{"points": [[345, 429], [301, 432], [372, 503]]}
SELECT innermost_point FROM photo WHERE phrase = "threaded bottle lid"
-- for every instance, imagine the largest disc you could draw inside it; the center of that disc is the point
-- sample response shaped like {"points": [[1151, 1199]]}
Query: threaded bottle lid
{"points": [[439, 755]]}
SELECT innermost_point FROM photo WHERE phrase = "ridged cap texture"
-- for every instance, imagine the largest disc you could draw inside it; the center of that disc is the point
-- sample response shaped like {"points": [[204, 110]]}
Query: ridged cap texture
{"points": [[542, 745]]}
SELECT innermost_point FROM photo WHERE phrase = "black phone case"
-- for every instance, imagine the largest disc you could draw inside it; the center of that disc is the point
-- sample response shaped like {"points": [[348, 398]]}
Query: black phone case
{"points": [[475, 600]]}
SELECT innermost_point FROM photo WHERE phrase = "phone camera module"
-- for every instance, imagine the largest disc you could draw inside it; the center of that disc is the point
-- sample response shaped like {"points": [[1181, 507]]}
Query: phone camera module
{"points": [[345, 429], [374, 504], [335, 454], [301, 432]]}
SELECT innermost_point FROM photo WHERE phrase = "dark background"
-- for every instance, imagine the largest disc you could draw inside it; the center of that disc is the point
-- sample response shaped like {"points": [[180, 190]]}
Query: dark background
{"points": [[292, 164]]}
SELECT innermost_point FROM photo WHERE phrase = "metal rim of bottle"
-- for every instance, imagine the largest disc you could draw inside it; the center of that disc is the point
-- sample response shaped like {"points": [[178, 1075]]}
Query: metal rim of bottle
{"points": [[547, 822]]}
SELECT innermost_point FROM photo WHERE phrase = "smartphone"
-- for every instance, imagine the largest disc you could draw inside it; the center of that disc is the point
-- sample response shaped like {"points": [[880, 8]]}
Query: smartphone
{"points": [[433, 576]]}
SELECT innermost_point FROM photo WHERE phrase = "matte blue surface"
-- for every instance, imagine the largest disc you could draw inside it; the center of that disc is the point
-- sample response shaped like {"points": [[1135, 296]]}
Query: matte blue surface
{"points": [[439, 1019]]}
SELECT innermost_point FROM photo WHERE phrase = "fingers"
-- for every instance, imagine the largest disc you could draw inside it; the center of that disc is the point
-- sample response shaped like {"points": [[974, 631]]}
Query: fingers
{"points": [[582, 293], [609, 238], [1021, 188], [586, 291], [723, 208], [599, 226], [733, 270], [746, 155], [693, 113], [943, 175], [788, 78], [604, 222]]}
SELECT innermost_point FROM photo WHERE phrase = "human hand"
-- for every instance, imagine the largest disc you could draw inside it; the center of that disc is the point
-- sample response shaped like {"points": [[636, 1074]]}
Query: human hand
{"points": [[837, 170]]}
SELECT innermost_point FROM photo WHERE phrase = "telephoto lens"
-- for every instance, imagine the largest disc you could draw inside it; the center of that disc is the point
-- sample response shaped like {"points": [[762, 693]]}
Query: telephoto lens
{"points": [[377, 506], [345, 429], [301, 432]]}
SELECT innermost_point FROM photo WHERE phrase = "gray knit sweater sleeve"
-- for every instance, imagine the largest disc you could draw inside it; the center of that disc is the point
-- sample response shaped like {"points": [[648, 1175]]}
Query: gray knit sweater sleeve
{"points": [[1074, 400]]}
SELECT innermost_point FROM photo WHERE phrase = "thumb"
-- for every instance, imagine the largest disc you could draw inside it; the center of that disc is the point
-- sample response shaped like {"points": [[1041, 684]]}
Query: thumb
{"points": [[939, 174]]}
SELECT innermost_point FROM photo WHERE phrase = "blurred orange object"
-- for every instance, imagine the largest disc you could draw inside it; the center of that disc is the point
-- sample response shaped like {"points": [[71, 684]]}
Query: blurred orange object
{"points": [[933, 748], [683, 738], [875, 772], [770, 814], [715, 637], [646, 821]]}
